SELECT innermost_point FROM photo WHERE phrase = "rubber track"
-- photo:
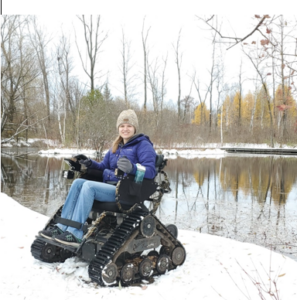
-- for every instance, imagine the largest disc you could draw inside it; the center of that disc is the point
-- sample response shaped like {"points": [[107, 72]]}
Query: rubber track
{"points": [[110, 248], [36, 250]]}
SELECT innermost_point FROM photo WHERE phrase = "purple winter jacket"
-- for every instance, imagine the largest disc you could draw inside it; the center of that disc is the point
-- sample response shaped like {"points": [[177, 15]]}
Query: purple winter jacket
{"points": [[138, 150]]}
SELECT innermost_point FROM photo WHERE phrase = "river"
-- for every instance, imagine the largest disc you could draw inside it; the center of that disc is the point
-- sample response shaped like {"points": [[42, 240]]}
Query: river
{"points": [[248, 198]]}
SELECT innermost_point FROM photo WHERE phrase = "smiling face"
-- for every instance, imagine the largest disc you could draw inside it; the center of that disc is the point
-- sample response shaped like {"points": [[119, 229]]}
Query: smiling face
{"points": [[126, 131]]}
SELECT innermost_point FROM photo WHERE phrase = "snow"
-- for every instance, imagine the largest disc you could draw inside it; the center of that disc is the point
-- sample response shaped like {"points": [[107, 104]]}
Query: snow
{"points": [[208, 150], [61, 152], [215, 268], [190, 153], [173, 153]]}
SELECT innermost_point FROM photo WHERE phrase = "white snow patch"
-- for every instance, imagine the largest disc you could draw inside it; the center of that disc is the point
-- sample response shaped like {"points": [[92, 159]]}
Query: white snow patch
{"points": [[214, 268]]}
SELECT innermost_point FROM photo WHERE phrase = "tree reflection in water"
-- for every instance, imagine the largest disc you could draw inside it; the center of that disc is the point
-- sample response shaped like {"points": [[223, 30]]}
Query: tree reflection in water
{"points": [[247, 198]]}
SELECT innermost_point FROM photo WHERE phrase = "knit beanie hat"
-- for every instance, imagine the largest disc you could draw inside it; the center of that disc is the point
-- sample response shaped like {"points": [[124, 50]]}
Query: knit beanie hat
{"points": [[128, 117]]}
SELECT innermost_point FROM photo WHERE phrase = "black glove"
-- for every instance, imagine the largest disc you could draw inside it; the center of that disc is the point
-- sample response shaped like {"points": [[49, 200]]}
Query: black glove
{"points": [[86, 162], [125, 165], [83, 160], [75, 166], [80, 157]]}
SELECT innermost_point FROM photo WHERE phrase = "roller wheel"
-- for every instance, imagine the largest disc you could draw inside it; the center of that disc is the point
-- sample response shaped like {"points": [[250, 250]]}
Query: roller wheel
{"points": [[109, 274], [153, 253], [145, 268], [48, 252], [148, 226], [163, 263], [127, 273], [178, 256], [172, 229], [165, 250]]}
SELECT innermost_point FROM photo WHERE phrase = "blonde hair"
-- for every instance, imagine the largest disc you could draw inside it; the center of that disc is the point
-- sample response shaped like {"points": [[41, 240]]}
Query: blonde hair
{"points": [[116, 142]]}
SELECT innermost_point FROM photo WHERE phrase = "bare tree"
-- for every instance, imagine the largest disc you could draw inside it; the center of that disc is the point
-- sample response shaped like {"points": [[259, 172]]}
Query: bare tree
{"points": [[188, 104], [201, 99], [157, 83], [128, 79], [178, 61], [93, 44], [220, 86], [144, 36], [65, 102], [234, 40], [255, 96], [277, 48], [40, 41], [163, 85], [18, 71], [154, 84], [264, 27], [240, 94], [267, 97], [212, 79]]}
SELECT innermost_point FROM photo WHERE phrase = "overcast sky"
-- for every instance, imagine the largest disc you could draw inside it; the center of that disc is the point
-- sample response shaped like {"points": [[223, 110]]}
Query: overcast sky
{"points": [[165, 19]]}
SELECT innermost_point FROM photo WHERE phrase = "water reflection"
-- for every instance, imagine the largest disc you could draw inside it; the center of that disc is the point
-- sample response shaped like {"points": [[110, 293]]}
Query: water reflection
{"points": [[34, 181], [251, 199]]}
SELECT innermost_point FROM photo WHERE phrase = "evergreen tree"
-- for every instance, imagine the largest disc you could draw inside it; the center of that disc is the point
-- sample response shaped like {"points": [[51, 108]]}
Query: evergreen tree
{"points": [[106, 93]]}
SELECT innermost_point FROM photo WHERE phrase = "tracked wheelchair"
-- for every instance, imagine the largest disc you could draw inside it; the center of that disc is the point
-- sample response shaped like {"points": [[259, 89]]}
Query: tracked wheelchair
{"points": [[124, 242]]}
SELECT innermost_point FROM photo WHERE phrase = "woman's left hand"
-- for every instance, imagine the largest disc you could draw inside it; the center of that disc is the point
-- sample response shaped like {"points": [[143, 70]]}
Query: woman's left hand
{"points": [[125, 165]]}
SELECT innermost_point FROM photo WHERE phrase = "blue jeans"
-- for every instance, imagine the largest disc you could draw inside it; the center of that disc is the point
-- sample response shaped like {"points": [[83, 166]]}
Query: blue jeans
{"points": [[80, 200]]}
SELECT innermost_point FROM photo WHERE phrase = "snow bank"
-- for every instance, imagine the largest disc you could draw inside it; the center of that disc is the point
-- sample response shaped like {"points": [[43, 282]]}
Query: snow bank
{"points": [[61, 152], [214, 268], [191, 153]]}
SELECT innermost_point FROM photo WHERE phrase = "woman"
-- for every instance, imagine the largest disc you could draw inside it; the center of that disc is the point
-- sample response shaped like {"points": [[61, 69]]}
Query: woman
{"points": [[128, 149]]}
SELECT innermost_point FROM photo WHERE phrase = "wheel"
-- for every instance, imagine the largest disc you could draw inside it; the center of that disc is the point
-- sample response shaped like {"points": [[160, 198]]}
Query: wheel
{"points": [[109, 273], [172, 229], [148, 226], [64, 254], [48, 252], [165, 250], [163, 263], [145, 268], [127, 273], [178, 256], [153, 253]]}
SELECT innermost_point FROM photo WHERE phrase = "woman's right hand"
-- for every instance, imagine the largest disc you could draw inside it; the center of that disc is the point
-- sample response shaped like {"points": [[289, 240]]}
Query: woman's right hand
{"points": [[83, 160], [86, 162], [80, 157]]}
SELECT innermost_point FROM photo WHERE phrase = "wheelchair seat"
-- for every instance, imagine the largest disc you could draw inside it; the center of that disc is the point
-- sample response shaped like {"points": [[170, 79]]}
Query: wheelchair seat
{"points": [[130, 193]]}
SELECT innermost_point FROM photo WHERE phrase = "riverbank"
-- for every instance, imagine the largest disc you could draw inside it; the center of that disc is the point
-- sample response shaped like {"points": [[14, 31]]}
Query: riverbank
{"points": [[50, 147]]}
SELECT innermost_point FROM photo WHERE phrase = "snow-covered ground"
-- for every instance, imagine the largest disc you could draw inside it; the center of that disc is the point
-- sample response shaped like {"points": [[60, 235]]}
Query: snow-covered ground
{"points": [[207, 152], [173, 153], [210, 150], [215, 268]]}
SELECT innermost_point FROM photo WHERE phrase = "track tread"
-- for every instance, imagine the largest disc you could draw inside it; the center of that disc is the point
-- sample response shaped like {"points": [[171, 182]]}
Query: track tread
{"points": [[103, 257]]}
